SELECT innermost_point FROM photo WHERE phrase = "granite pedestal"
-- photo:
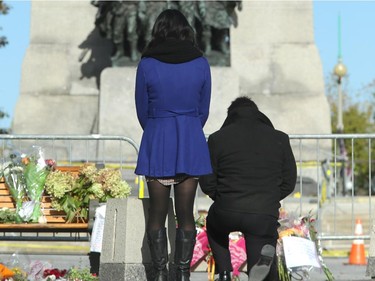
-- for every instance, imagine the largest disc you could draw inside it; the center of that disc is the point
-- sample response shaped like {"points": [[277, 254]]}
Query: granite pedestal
{"points": [[125, 252]]}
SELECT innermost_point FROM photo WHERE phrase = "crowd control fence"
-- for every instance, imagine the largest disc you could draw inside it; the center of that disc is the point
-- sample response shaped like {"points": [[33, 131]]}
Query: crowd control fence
{"points": [[335, 180], [74, 150], [335, 184]]}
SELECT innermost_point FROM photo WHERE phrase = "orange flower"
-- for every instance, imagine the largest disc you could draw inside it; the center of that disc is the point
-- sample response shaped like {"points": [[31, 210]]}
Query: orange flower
{"points": [[5, 272], [25, 160]]}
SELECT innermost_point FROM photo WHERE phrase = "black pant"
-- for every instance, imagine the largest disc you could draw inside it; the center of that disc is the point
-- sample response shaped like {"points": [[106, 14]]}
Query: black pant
{"points": [[258, 230]]}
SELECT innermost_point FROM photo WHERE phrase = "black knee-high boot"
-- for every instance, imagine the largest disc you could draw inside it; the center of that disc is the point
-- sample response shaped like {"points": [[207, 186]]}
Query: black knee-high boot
{"points": [[157, 240], [185, 241]]}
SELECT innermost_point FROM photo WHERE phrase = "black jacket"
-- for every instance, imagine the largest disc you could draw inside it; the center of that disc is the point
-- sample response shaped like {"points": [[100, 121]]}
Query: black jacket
{"points": [[253, 164]]}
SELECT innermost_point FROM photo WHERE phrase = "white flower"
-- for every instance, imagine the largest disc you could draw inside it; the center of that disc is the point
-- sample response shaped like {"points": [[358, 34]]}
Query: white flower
{"points": [[42, 219], [26, 210], [50, 278]]}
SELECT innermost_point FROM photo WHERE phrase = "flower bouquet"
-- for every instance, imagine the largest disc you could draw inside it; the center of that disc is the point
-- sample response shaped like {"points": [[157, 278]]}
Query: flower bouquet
{"points": [[43, 271], [25, 176], [5, 272], [72, 193], [237, 247], [202, 251], [12, 171], [304, 236], [201, 247], [35, 172]]}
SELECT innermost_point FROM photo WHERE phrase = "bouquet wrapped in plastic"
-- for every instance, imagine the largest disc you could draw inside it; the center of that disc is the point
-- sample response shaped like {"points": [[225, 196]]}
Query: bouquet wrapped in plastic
{"points": [[237, 248], [202, 250], [5, 272], [25, 176], [302, 231], [201, 247], [13, 173], [35, 172]]}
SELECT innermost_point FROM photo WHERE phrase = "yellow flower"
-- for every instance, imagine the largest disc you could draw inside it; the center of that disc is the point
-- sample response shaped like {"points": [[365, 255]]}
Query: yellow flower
{"points": [[286, 232]]}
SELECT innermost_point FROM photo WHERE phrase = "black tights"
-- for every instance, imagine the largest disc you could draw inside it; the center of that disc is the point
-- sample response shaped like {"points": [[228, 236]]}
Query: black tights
{"points": [[184, 195]]}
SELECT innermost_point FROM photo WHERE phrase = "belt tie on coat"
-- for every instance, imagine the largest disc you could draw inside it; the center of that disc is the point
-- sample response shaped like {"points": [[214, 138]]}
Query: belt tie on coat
{"points": [[162, 113]]}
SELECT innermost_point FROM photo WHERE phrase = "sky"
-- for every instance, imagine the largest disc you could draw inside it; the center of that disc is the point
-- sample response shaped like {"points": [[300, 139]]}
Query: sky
{"points": [[357, 41]]}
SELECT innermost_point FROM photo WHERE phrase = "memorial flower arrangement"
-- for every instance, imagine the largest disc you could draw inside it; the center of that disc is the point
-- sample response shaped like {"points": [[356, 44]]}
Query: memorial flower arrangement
{"points": [[202, 251], [303, 227], [43, 271], [25, 176], [12, 171], [35, 172], [71, 193], [290, 225], [29, 177], [5, 272]]}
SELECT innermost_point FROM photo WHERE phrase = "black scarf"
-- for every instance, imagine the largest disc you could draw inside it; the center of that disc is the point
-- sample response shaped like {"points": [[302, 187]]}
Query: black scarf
{"points": [[173, 51]]}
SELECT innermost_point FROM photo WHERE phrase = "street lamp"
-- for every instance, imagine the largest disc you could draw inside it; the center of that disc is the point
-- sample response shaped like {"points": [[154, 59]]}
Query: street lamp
{"points": [[340, 71]]}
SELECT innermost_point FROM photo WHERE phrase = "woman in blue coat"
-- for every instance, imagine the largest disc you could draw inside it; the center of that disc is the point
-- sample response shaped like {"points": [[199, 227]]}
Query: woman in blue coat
{"points": [[172, 95]]}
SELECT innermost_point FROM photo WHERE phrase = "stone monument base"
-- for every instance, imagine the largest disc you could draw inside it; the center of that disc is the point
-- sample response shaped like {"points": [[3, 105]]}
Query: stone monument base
{"points": [[370, 270], [117, 113], [125, 253], [123, 271]]}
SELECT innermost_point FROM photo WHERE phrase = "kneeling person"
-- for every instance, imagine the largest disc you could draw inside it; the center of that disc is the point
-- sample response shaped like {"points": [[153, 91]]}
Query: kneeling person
{"points": [[253, 169]]}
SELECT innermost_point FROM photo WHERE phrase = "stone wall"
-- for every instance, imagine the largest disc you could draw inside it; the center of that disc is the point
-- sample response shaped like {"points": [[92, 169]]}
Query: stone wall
{"points": [[59, 93], [274, 53], [68, 86]]}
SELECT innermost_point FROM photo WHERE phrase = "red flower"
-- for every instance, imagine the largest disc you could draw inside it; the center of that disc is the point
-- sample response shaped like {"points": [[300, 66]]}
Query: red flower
{"points": [[51, 164], [58, 273]]}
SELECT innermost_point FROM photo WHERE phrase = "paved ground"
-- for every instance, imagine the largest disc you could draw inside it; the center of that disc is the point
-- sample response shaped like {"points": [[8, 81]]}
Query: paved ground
{"points": [[339, 267]]}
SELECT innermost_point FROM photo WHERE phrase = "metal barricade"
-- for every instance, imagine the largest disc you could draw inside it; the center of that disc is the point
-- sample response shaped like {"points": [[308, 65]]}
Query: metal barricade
{"points": [[329, 182], [76, 149], [327, 185], [334, 183], [73, 150]]}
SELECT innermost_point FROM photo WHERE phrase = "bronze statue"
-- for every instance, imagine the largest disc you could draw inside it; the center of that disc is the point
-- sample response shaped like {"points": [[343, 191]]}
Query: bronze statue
{"points": [[117, 21], [123, 22], [192, 10], [219, 17], [152, 11], [102, 18]]}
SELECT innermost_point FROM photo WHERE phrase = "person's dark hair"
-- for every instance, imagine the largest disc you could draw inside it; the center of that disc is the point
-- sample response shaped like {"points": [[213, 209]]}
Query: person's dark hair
{"points": [[171, 23], [242, 102]]}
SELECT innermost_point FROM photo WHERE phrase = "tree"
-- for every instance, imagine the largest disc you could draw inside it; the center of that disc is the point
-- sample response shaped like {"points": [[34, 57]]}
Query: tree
{"points": [[4, 9], [3, 115], [358, 118]]}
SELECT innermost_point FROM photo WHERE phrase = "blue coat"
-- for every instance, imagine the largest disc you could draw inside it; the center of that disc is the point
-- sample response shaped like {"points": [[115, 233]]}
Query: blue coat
{"points": [[172, 102]]}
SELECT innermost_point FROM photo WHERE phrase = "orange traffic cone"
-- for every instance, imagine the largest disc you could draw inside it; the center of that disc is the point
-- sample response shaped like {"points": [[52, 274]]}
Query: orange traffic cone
{"points": [[357, 253]]}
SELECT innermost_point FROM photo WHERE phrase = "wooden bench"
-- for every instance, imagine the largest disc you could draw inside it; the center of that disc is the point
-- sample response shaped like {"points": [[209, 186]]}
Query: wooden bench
{"points": [[55, 219]]}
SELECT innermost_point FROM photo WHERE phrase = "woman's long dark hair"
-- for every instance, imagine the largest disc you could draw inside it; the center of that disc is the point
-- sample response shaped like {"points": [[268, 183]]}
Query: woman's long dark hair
{"points": [[171, 23]]}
